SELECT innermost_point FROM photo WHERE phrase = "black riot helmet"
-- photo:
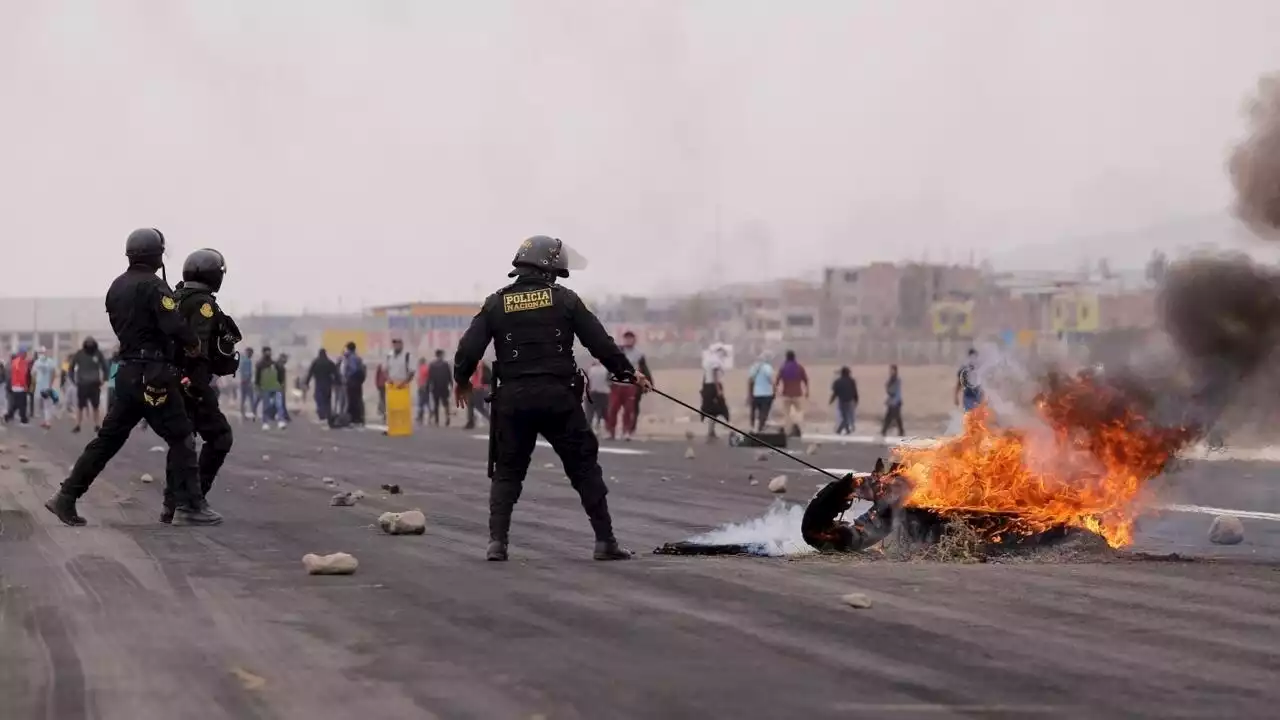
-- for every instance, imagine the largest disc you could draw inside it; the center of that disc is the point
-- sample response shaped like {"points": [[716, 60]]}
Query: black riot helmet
{"points": [[145, 246], [548, 254], [205, 267]]}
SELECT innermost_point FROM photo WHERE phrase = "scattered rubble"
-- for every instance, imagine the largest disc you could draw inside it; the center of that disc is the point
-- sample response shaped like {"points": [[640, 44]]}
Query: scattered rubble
{"points": [[3, 449], [856, 600], [392, 489], [665, 478], [24, 459], [266, 458], [778, 484], [146, 478], [755, 482], [412, 522], [4, 466], [344, 499], [689, 454], [812, 449], [329, 481], [762, 455], [24, 446], [1226, 530], [688, 435], [335, 564]]}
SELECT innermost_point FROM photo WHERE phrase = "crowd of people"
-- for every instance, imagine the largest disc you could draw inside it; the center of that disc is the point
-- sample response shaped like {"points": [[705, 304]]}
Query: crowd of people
{"points": [[38, 387]]}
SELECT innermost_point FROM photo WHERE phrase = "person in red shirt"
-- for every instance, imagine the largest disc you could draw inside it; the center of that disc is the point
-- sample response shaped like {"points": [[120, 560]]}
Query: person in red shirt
{"points": [[20, 386], [424, 398], [480, 381]]}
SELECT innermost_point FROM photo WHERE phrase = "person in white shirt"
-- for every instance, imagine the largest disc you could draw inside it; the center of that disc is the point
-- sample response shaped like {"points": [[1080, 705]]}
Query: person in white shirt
{"points": [[399, 365]]}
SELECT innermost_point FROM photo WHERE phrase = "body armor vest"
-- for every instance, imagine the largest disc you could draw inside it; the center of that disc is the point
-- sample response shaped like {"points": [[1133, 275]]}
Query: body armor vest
{"points": [[532, 330], [219, 346]]}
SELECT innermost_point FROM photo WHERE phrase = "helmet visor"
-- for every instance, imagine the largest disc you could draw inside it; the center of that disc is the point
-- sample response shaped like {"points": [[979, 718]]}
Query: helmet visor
{"points": [[572, 259]]}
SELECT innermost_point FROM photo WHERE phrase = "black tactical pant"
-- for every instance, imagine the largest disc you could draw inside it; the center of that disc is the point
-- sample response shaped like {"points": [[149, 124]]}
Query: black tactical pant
{"points": [[148, 392], [212, 427], [524, 409]]}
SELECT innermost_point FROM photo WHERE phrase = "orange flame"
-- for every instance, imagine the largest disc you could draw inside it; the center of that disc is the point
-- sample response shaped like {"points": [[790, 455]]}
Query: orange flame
{"points": [[1086, 471]]}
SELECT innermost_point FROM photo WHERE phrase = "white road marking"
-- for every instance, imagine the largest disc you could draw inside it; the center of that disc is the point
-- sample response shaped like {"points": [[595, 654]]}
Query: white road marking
{"points": [[888, 440], [1249, 514], [603, 448]]}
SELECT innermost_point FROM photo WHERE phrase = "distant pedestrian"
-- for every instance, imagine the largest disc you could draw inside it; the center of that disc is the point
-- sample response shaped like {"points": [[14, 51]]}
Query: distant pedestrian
{"points": [[424, 393], [844, 394], [481, 382], [354, 374], [598, 395], [892, 403], [794, 382], [714, 403], [88, 371], [247, 394], [969, 394], [760, 391], [440, 386], [325, 375]]}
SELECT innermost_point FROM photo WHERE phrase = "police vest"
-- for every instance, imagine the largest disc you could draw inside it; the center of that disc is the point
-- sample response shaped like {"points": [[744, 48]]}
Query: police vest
{"points": [[532, 327], [220, 345]]}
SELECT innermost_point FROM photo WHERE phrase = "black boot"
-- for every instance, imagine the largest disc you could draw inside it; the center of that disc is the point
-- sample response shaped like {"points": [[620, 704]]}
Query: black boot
{"points": [[166, 515], [611, 550], [497, 551], [499, 529], [200, 515], [64, 507]]}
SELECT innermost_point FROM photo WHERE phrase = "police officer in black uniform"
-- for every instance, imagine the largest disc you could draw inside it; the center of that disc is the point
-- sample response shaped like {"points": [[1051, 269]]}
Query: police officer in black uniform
{"points": [[151, 334], [532, 323], [202, 275]]}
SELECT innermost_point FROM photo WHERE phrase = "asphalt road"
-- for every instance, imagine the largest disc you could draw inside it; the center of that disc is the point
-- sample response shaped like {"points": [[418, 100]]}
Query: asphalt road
{"points": [[133, 620]]}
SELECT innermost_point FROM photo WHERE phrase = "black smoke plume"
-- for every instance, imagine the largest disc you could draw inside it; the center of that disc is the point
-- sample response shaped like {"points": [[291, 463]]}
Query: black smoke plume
{"points": [[1255, 164]]}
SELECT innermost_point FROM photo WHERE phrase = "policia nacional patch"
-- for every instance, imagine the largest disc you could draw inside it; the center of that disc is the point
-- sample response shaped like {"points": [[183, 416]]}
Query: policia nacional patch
{"points": [[521, 301], [167, 303], [206, 310]]}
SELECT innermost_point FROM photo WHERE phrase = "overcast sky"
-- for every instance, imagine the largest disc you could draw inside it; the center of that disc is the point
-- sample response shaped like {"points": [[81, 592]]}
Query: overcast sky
{"points": [[376, 151]]}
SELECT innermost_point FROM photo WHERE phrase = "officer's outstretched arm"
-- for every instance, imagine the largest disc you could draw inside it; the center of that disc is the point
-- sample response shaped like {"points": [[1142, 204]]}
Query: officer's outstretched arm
{"points": [[472, 346], [598, 342], [171, 322]]}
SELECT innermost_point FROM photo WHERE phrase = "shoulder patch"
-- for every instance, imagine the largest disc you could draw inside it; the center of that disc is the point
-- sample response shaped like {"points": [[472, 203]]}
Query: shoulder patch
{"points": [[206, 310], [168, 303], [531, 300]]}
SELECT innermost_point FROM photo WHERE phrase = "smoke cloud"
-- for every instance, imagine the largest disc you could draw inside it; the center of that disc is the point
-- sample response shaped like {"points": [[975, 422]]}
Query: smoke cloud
{"points": [[1255, 163], [775, 533]]}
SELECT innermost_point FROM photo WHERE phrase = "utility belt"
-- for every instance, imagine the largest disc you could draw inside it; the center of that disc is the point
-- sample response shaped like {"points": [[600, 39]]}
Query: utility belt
{"points": [[142, 357]]}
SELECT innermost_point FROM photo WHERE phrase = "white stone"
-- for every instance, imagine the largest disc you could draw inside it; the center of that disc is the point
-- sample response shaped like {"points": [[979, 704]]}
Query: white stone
{"points": [[778, 484], [762, 455], [856, 600], [335, 564], [158, 448], [146, 478], [689, 454], [329, 481], [24, 459], [1226, 530], [265, 458], [412, 522], [344, 499], [755, 482], [812, 449]]}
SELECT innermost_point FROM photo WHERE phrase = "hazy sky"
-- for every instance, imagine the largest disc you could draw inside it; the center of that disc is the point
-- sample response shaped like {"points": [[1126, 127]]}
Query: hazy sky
{"points": [[383, 151]]}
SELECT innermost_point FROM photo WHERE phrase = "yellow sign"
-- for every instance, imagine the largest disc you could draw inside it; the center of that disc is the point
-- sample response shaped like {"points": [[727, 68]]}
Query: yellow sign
{"points": [[953, 318], [335, 341], [521, 301], [1075, 313], [399, 411], [167, 303], [206, 310]]}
